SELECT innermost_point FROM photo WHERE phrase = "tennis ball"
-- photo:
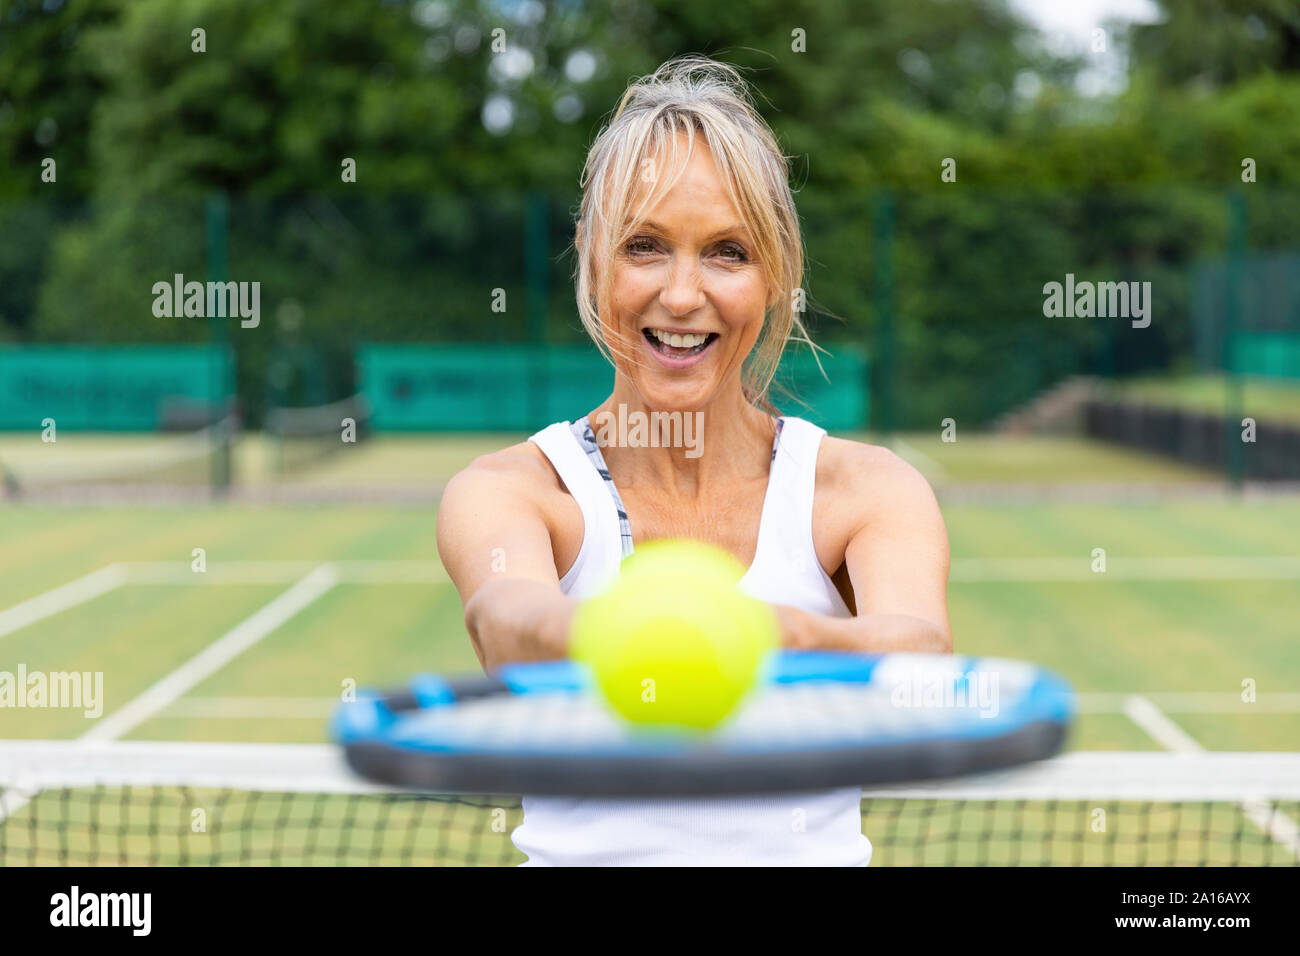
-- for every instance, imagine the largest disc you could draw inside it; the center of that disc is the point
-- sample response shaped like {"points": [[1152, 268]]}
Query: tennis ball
{"points": [[672, 642]]}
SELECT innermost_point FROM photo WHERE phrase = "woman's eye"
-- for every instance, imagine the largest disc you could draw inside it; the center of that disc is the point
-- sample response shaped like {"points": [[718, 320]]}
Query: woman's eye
{"points": [[640, 246], [733, 251]]}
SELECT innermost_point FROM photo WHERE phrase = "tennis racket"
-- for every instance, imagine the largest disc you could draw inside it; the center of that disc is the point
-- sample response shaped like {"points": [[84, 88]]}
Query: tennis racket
{"points": [[817, 720]]}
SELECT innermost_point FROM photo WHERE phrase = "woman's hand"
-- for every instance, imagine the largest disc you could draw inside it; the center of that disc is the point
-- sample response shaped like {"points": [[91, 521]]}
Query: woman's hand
{"points": [[793, 626], [867, 633]]}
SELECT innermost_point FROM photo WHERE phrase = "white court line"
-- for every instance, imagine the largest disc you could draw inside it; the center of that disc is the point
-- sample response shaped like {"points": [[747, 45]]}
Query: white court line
{"points": [[164, 694], [61, 598], [218, 572], [1158, 727], [1183, 702], [275, 572], [964, 570], [260, 707], [215, 656], [393, 572], [1281, 828], [203, 665], [1125, 569], [1192, 702]]}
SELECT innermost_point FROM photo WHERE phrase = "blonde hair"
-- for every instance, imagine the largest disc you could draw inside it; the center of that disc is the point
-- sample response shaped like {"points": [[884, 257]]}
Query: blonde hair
{"points": [[688, 95]]}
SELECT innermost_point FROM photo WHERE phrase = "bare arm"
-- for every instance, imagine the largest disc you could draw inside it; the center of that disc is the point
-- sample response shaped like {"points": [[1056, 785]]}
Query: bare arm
{"points": [[495, 544], [897, 557]]}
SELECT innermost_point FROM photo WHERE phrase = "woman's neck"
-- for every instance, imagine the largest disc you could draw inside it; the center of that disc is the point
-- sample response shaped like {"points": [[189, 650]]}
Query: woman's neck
{"points": [[685, 453]]}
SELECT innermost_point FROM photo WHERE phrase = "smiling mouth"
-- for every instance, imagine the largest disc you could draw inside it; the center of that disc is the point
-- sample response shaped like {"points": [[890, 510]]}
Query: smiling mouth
{"points": [[678, 345]]}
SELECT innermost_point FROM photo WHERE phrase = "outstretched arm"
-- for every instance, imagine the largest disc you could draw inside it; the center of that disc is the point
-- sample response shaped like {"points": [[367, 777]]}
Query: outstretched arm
{"points": [[897, 558], [495, 544]]}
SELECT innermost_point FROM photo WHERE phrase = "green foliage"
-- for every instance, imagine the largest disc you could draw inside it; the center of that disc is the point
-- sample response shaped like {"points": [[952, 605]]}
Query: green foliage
{"points": [[48, 92], [1212, 44], [144, 128]]}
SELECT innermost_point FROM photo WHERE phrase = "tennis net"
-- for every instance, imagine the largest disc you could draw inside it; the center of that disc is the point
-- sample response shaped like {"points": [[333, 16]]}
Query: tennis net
{"points": [[301, 437], [145, 803], [82, 465]]}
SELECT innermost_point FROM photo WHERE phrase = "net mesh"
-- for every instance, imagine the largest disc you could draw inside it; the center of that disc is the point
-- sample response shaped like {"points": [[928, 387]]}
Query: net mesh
{"points": [[196, 804], [80, 463], [301, 437]]}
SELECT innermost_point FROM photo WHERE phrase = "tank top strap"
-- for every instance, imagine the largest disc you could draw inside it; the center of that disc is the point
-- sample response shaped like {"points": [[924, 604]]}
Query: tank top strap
{"points": [[786, 525], [573, 453], [586, 438], [786, 569]]}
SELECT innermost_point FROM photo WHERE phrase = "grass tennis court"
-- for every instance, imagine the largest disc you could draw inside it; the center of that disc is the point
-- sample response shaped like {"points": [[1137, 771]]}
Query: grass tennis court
{"points": [[425, 462], [1199, 596], [1107, 632], [1119, 631]]}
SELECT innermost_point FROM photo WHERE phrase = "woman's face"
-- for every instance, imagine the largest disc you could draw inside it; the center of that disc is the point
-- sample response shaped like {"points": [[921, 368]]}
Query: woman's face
{"points": [[689, 295]]}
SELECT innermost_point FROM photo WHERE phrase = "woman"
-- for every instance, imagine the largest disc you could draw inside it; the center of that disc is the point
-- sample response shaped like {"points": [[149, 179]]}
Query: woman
{"points": [[690, 261]]}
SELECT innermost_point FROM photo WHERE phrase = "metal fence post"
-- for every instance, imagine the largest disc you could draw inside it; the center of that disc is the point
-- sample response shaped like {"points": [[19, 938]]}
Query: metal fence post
{"points": [[222, 367], [1233, 451]]}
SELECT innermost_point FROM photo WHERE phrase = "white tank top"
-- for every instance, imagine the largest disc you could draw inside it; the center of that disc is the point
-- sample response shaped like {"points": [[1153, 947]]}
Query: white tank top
{"points": [[821, 828]]}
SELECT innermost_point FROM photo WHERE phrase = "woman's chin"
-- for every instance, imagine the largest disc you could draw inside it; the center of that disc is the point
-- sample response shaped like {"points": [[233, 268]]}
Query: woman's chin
{"points": [[677, 396]]}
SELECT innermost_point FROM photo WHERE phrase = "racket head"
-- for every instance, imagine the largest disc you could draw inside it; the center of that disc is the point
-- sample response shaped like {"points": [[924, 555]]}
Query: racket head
{"points": [[818, 720]]}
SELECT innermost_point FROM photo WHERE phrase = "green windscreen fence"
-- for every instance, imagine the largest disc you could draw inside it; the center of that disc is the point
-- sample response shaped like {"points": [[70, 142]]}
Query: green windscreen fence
{"points": [[112, 387], [1247, 313], [1271, 354], [521, 388], [834, 395]]}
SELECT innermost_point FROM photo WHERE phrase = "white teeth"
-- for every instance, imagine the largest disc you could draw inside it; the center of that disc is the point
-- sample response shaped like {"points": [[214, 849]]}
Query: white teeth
{"points": [[680, 341]]}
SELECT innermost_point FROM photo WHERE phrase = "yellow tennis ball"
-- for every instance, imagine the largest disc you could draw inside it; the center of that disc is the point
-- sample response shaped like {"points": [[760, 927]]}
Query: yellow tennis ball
{"points": [[673, 642]]}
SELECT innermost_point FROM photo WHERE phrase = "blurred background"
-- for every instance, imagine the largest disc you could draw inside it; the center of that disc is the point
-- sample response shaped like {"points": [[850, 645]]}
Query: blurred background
{"points": [[400, 179], [951, 158]]}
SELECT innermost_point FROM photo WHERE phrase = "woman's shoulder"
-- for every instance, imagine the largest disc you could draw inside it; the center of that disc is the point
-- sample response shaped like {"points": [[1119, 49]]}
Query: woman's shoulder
{"points": [[867, 473], [519, 471], [862, 486]]}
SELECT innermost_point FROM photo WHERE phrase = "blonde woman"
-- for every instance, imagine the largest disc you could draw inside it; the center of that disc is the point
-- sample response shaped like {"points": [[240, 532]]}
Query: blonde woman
{"points": [[690, 256]]}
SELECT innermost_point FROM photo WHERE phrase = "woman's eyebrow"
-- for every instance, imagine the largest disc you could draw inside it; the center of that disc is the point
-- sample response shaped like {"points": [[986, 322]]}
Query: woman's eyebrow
{"points": [[729, 230]]}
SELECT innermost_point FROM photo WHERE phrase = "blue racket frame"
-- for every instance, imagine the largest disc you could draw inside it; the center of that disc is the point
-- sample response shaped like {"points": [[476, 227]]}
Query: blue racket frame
{"points": [[386, 737]]}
